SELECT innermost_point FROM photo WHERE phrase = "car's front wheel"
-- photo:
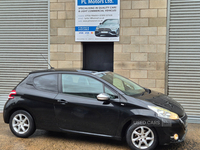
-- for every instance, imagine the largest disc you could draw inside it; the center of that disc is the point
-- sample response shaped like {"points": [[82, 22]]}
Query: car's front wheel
{"points": [[141, 137], [21, 124]]}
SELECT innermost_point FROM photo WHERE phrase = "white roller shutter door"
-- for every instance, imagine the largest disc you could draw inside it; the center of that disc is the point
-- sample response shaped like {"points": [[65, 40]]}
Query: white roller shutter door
{"points": [[184, 55], [24, 36]]}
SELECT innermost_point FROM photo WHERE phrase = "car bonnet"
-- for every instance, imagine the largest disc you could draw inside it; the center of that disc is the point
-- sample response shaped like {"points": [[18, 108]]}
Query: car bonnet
{"points": [[163, 101]]}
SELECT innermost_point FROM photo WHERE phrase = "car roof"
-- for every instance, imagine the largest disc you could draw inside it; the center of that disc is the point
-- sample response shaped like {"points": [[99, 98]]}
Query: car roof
{"points": [[64, 70]]}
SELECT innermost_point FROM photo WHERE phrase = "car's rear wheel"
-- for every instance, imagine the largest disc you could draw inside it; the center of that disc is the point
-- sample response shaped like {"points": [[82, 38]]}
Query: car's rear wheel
{"points": [[140, 137], [22, 124]]}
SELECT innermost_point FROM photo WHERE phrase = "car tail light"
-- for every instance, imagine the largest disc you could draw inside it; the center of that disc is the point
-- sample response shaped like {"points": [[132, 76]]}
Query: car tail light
{"points": [[13, 92]]}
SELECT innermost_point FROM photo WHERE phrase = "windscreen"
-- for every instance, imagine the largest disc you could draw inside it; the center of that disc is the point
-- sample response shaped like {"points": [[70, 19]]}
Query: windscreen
{"points": [[107, 22], [125, 85]]}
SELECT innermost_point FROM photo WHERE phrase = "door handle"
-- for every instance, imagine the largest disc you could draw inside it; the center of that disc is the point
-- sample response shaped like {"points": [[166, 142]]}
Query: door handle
{"points": [[62, 101]]}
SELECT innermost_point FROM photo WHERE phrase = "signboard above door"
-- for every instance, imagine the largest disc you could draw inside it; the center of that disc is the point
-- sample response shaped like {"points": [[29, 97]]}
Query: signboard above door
{"points": [[97, 20]]}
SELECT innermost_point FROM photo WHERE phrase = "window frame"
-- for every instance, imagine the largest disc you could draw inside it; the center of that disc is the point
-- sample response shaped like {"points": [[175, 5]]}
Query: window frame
{"points": [[105, 86]]}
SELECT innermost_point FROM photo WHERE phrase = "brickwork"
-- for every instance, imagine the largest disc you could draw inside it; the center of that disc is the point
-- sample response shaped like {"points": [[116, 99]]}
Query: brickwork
{"points": [[140, 54], [143, 42], [64, 51]]}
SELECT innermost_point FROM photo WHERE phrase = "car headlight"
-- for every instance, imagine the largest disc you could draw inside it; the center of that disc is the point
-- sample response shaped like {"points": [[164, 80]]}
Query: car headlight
{"points": [[164, 113], [97, 28]]}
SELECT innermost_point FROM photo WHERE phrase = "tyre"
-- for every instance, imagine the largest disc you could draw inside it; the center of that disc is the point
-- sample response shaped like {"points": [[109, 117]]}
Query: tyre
{"points": [[141, 137], [21, 124]]}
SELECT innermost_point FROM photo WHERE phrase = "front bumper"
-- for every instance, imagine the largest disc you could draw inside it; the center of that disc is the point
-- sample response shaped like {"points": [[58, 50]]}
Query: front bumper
{"points": [[170, 128]]}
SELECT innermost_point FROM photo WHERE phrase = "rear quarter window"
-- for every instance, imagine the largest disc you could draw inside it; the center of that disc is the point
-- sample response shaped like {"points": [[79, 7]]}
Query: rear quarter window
{"points": [[46, 82]]}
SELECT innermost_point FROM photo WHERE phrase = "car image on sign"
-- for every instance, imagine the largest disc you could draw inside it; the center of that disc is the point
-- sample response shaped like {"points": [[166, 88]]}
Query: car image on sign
{"points": [[94, 103], [108, 28]]}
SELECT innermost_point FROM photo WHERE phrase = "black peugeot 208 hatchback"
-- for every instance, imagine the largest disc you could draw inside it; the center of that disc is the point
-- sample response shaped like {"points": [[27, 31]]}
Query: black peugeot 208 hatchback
{"points": [[94, 103]]}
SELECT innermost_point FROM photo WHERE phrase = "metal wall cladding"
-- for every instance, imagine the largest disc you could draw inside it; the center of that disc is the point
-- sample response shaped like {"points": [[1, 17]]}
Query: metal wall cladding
{"points": [[24, 36], [184, 55]]}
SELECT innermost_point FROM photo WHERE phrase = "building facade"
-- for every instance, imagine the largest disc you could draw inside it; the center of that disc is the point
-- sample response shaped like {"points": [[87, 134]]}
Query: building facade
{"points": [[158, 45], [140, 53]]}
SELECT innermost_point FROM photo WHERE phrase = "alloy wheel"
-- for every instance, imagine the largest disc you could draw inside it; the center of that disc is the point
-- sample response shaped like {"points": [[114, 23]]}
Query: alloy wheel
{"points": [[142, 137], [20, 123]]}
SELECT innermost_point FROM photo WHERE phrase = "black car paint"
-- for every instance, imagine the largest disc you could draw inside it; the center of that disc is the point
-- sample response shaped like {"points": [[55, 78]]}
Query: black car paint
{"points": [[162, 100], [92, 117], [87, 115]]}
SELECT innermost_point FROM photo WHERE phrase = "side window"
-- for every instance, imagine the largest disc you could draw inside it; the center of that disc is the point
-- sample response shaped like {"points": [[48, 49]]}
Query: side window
{"points": [[81, 85], [46, 82], [110, 93]]}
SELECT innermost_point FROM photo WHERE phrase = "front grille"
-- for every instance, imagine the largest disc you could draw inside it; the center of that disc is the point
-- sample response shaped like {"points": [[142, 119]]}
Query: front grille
{"points": [[104, 29]]}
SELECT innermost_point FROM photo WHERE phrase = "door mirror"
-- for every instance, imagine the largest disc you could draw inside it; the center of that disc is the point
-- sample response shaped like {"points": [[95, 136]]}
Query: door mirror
{"points": [[103, 97]]}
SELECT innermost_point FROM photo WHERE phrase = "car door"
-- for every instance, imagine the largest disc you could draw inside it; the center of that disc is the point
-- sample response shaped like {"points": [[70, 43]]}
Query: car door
{"points": [[78, 109]]}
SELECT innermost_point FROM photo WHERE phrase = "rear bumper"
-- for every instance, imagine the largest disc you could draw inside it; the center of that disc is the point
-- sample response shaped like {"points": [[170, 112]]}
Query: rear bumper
{"points": [[5, 114]]}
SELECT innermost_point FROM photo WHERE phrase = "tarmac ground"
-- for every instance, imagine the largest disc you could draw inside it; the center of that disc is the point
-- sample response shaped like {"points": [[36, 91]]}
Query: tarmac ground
{"points": [[45, 140]]}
